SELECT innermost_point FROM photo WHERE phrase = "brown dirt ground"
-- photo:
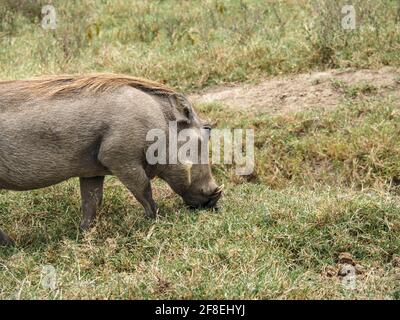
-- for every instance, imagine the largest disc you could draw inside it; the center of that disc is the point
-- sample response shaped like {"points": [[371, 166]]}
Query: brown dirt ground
{"points": [[299, 92]]}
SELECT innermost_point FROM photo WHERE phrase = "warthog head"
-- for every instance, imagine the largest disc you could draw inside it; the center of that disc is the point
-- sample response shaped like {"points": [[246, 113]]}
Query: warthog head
{"points": [[192, 178], [194, 183]]}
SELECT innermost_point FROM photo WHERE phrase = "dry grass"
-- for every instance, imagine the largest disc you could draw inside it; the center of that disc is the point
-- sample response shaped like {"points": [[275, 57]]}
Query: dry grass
{"points": [[326, 181], [262, 244], [192, 44]]}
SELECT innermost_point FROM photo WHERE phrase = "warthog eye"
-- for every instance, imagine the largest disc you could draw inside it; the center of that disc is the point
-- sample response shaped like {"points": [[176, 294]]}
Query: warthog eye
{"points": [[208, 128]]}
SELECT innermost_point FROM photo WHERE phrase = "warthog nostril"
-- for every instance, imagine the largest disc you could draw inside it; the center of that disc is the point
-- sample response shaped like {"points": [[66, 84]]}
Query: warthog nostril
{"points": [[213, 199]]}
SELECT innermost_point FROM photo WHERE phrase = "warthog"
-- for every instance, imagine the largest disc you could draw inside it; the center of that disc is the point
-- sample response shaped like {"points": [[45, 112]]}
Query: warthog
{"points": [[56, 128]]}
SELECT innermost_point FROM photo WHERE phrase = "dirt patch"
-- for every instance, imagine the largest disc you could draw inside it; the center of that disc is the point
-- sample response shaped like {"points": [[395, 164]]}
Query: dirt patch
{"points": [[299, 92]]}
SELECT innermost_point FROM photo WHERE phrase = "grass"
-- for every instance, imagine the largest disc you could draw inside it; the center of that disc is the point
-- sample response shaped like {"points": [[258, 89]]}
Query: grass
{"points": [[355, 144], [274, 237], [273, 245], [326, 181], [194, 44]]}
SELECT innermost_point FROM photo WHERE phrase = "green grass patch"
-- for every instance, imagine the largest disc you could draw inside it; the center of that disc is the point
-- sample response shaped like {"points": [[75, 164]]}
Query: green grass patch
{"points": [[354, 145], [193, 44], [321, 187], [325, 181], [261, 244]]}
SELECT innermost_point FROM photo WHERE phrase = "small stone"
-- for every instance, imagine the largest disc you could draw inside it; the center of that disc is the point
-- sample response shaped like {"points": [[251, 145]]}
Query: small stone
{"points": [[346, 270], [346, 258], [359, 269], [331, 271], [396, 261]]}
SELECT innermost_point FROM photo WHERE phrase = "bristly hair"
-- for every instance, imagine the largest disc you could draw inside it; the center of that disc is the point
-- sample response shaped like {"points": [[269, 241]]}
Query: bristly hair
{"points": [[69, 85]]}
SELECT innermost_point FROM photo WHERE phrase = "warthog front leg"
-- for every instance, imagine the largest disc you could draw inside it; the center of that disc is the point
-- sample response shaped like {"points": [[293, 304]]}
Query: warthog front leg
{"points": [[92, 197], [5, 240], [136, 180]]}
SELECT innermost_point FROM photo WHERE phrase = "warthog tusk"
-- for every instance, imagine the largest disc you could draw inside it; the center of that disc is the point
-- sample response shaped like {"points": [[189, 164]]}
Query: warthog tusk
{"points": [[217, 193]]}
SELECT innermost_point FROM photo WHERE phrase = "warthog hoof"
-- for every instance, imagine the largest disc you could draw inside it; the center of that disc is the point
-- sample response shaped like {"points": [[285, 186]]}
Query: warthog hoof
{"points": [[5, 240]]}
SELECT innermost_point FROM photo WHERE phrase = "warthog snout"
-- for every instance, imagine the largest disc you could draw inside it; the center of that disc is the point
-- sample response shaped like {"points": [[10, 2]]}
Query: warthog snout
{"points": [[214, 197], [194, 184], [201, 199]]}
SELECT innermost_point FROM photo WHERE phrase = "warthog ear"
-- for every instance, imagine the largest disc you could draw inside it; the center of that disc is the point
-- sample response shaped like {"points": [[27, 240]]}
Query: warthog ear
{"points": [[184, 109]]}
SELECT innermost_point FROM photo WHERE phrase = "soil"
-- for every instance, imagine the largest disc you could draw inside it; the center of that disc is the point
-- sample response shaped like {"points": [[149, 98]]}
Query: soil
{"points": [[299, 92]]}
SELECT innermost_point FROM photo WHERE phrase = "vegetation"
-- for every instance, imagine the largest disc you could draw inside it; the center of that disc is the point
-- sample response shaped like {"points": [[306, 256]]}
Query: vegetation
{"points": [[193, 44], [326, 181]]}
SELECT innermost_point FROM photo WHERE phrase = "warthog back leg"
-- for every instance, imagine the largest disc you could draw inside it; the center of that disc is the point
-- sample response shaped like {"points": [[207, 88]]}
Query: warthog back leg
{"points": [[136, 180], [5, 240], [92, 197]]}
